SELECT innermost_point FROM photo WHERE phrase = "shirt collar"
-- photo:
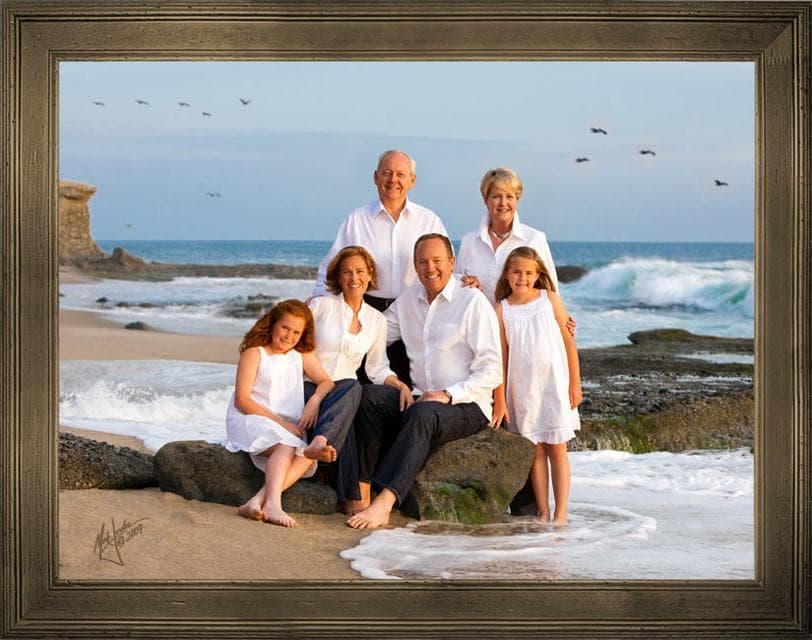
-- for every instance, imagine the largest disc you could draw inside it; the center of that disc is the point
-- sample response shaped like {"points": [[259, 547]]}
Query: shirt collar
{"points": [[379, 209], [448, 290], [518, 229]]}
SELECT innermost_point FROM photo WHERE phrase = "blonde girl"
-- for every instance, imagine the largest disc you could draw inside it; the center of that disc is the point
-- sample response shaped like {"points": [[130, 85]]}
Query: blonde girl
{"points": [[267, 415], [542, 387]]}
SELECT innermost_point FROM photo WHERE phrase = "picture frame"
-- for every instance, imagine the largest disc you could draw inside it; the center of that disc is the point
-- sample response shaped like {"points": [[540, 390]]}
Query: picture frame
{"points": [[37, 35]]}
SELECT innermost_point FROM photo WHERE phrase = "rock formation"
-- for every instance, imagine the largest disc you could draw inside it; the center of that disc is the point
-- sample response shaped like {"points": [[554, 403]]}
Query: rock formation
{"points": [[75, 241], [88, 464], [201, 471]]}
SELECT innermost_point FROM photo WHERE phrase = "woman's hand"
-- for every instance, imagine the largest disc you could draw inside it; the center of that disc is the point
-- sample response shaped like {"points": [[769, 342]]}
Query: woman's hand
{"points": [[310, 414], [571, 325], [470, 281], [500, 413], [434, 396], [575, 394]]}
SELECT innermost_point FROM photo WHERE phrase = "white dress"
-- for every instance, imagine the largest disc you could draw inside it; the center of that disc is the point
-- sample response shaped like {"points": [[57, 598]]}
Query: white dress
{"points": [[279, 388], [537, 390]]}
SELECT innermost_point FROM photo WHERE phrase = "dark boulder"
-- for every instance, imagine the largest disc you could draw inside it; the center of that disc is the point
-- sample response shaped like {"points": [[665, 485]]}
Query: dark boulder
{"points": [[138, 326], [472, 480], [89, 464], [198, 470], [569, 273]]}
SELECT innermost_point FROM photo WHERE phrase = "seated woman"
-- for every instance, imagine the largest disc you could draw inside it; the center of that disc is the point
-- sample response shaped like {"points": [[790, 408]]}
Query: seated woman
{"points": [[347, 330]]}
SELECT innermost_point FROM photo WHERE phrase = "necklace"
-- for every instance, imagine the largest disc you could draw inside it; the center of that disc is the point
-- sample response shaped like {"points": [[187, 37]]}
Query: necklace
{"points": [[499, 236]]}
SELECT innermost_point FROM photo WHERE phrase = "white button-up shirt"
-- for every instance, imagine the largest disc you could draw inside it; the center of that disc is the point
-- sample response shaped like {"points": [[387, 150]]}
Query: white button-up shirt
{"points": [[477, 257], [341, 352], [453, 343], [390, 243]]}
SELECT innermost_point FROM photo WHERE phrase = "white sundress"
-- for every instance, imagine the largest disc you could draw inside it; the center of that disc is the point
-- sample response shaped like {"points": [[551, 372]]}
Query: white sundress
{"points": [[537, 390], [279, 388]]}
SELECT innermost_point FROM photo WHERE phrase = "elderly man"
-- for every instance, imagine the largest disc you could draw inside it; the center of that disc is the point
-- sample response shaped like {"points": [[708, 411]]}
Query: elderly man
{"points": [[387, 228], [452, 337]]}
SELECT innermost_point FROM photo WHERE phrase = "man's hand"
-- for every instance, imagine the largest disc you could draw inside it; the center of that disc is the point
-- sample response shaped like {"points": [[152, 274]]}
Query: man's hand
{"points": [[571, 325], [470, 281], [405, 398], [500, 413], [435, 396], [310, 413]]}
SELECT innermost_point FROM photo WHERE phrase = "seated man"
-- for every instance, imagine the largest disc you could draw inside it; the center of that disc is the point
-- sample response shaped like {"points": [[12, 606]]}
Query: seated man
{"points": [[452, 339]]}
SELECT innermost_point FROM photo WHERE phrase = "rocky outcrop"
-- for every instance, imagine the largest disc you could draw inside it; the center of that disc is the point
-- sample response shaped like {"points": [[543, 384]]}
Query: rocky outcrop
{"points": [[570, 273], [89, 464], [74, 237], [197, 470], [472, 480]]}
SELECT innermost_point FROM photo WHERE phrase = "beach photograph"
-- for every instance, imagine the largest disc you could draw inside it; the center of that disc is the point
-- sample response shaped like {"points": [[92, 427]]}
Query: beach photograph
{"points": [[193, 196]]}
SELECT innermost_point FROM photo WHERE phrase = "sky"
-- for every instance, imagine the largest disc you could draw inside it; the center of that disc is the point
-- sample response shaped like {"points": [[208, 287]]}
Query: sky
{"points": [[299, 156]]}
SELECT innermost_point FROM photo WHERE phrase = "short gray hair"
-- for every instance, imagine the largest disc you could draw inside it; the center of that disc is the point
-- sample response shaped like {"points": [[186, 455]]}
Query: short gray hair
{"points": [[392, 152]]}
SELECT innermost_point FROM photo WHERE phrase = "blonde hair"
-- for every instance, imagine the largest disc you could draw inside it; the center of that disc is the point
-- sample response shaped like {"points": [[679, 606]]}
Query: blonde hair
{"points": [[334, 268], [544, 281], [503, 177]]}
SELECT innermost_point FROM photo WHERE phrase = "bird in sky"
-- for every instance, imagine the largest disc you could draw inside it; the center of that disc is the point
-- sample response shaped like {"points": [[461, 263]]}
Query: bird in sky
{"points": [[244, 101], [128, 225], [720, 183], [213, 194], [98, 104], [207, 114], [184, 104], [647, 152], [597, 130], [141, 101], [581, 159]]}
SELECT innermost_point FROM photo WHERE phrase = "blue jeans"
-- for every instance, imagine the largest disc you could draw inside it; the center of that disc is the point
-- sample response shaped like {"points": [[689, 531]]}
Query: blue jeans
{"points": [[336, 413], [414, 434]]}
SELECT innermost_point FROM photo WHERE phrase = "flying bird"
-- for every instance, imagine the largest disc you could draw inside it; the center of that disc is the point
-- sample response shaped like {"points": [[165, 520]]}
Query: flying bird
{"points": [[213, 194], [581, 159], [184, 104], [719, 183], [128, 225], [244, 101], [98, 104], [647, 152], [206, 113], [141, 101], [597, 130]]}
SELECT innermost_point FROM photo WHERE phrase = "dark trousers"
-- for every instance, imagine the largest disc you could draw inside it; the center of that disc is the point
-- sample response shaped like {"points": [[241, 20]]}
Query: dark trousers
{"points": [[336, 413], [419, 430], [395, 352]]}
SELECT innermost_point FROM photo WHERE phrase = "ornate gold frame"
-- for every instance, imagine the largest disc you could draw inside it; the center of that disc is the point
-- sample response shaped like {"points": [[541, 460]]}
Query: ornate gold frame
{"points": [[39, 34]]}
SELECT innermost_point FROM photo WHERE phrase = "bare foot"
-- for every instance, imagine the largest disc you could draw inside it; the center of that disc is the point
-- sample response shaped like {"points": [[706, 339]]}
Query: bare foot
{"points": [[544, 516], [277, 516], [560, 520], [351, 507], [320, 450], [251, 510], [374, 516]]}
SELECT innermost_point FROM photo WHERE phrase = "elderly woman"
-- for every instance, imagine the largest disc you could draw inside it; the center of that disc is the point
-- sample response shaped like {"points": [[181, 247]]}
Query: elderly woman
{"points": [[347, 329], [483, 252]]}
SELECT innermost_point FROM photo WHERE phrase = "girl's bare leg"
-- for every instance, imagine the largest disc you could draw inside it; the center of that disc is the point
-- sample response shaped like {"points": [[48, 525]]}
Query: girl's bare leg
{"points": [[297, 469], [276, 470], [540, 479], [253, 508], [560, 472]]}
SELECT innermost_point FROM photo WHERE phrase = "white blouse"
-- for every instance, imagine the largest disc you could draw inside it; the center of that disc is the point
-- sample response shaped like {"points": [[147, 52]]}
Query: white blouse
{"points": [[477, 257], [341, 352]]}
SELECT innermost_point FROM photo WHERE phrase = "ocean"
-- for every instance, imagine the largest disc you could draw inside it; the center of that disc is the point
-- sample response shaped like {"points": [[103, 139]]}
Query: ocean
{"points": [[649, 516]]}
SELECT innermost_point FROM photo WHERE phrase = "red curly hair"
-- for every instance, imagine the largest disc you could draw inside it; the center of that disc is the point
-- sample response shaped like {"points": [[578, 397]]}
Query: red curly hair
{"points": [[260, 334]]}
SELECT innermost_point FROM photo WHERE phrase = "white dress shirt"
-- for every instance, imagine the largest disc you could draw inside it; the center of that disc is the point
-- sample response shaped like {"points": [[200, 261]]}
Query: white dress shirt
{"points": [[390, 243], [453, 343], [477, 257], [341, 352]]}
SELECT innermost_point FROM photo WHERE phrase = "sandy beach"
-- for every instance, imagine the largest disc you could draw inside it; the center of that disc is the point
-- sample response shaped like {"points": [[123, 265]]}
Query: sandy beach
{"points": [[166, 536]]}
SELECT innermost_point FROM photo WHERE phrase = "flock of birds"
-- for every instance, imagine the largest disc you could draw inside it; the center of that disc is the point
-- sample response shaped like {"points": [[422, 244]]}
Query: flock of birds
{"points": [[206, 114], [642, 152]]}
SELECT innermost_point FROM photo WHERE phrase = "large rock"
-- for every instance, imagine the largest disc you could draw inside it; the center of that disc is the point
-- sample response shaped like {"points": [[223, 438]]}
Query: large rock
{"points": [[74, 237], [201, 471], [88, 464], [472, 480]]}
